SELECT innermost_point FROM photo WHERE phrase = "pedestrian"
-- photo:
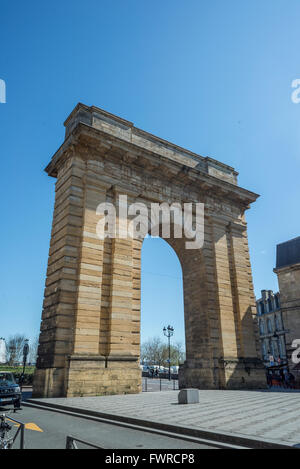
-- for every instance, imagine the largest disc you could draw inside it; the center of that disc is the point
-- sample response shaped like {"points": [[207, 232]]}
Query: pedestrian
{"points": [[274, 379], [290, 380], [282, 380]]}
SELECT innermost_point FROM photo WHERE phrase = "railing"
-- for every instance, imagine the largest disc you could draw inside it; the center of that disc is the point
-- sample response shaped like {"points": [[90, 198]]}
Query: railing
{"points": [[155, 381], [21, 430], [71, 443]]}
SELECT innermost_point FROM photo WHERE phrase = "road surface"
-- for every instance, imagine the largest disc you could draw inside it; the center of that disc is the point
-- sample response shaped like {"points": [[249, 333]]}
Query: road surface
{"points": [[48, 430]]}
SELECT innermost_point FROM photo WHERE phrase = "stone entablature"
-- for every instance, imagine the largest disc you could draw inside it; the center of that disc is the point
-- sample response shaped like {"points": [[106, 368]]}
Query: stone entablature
{"points": [[126, 131]]}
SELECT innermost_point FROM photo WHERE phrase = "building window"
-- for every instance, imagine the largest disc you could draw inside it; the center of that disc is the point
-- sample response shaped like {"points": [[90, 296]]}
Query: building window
{"points": [[278, 323], [282, 347], [270, 306], [281, 354], [270, 350], [262, 307], [275, 349], [277, 301], [269, 325], [261, 327], [263, 350]]}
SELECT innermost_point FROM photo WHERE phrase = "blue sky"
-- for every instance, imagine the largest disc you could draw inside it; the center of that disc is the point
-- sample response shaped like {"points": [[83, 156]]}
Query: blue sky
{"points": [[211, 76]]}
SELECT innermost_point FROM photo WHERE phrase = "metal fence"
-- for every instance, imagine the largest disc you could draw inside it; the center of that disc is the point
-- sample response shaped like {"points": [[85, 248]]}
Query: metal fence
{"points": [[9, 441], [71, 443], [159, 384]]}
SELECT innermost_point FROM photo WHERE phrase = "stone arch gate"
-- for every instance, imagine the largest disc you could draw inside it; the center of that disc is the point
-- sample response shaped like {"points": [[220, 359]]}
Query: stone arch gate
{"points": [[90, 331]]}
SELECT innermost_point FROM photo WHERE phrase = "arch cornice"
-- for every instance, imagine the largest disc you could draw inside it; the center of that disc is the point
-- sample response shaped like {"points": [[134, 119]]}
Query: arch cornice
{"points": [[90, 142]]}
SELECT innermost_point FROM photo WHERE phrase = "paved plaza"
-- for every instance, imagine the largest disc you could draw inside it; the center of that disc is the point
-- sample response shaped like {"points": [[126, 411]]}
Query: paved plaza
{"points": [[257, 415]]}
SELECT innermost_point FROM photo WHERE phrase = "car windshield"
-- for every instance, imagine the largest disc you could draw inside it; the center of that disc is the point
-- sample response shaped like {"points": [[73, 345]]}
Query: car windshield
{"points": [[7, 379]]}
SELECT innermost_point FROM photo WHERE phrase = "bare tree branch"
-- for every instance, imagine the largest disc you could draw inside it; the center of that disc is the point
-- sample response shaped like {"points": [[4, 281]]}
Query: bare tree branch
{"points": [[14, 349], [156, 352]]}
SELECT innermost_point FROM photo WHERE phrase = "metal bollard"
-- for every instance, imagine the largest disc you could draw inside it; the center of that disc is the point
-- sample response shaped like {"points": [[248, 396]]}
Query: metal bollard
{"points": [[146, 384], [160, 384]]}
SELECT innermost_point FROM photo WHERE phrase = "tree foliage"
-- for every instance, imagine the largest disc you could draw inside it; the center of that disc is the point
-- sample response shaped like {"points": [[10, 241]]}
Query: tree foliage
{"points": [[33, 349], [14, 349], [155, 351]]}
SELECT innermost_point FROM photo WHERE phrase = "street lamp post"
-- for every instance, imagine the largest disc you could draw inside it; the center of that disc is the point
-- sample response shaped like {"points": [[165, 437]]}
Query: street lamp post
{"points": [[168, 332]]}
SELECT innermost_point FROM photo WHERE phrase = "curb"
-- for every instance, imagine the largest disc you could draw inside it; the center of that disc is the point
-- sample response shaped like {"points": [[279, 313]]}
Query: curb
{"points": [[224, 437]]}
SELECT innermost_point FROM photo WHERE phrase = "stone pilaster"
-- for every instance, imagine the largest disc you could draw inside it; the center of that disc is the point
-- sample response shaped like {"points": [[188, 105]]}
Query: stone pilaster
{"points": [[243, 289], [56, 338], [224, 289], [88, 310], [104, 359]]}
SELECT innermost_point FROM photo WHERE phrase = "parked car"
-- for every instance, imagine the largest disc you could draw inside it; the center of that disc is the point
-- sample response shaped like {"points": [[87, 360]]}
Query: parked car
{"points": [[10, 392]]}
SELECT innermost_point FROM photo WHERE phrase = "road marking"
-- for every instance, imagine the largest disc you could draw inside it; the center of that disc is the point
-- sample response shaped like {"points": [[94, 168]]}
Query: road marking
{"points": [[28, 426], [33, 426]]}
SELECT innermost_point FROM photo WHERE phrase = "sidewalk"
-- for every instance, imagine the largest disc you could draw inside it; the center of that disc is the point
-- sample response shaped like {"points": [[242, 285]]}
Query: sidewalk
{"points": [[255, 415]]}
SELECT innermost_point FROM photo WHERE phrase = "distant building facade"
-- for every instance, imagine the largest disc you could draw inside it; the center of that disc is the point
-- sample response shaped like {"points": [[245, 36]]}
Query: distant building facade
{"points": [[271, 328], [288, 273]]}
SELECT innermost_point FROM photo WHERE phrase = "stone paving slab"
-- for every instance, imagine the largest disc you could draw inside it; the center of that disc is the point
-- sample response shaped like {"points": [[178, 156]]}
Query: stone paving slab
{"points": [[269, 416]]}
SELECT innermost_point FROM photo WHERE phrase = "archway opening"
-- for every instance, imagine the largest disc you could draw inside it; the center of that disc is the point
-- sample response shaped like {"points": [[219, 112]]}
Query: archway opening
{"points": [[162, 301]]}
